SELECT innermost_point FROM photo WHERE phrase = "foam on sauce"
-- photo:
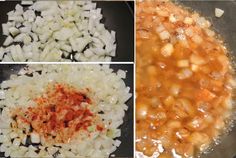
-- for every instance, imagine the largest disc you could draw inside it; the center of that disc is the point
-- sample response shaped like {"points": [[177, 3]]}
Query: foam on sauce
{"points": [[59, 114], [184, 82]]}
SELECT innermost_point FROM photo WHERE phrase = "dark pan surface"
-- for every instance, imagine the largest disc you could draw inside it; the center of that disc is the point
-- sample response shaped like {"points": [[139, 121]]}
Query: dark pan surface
{"points": [[117, 16], [226, 27], [126, 147], [127, 128]]}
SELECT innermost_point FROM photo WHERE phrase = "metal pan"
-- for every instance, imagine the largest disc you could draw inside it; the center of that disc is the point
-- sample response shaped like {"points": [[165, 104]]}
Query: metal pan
{"points": [[225, 26], [126, 147], [117, 16]]}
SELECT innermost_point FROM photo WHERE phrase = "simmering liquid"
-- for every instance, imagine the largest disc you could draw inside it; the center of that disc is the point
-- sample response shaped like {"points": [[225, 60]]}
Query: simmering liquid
{"points": [[183, 82]]}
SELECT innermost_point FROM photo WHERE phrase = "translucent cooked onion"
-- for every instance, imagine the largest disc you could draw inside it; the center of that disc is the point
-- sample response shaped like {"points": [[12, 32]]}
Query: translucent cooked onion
{"points": [[219, 12]]}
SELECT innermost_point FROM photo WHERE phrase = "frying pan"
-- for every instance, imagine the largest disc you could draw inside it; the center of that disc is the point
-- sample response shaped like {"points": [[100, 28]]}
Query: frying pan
{"points": [[126, 147], [226, 27], [117, 16]]}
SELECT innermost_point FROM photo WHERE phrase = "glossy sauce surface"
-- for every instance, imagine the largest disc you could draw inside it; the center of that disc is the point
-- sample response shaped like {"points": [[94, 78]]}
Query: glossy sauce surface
{"points": [[183, 82]]}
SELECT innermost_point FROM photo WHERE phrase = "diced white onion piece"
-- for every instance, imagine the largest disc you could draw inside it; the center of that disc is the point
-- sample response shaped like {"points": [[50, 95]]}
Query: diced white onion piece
{"points": [[210, 32], [194, 67], [121, 73], [20, 37], [113, 53], [14, 31], [202, 22], [183, 63], [13, 135], [167, 50], [197, 39], [164, 35], [181, 37], [175, 89], [27, 39], [88, 53], [19, 9], [189, 32], [63, 34], [188, 20], [31, 153], [16, 142], [35, 138], [66, 48], [117, 143], [23, 140], [172, 18], [14, 53], [77, 56], [81, 43], [7, 152], [197, 60], [5, 29], [29, 15], [7, 58], [25, 29], [180, 30], [20, 53], [219, 12], [8, 41], [16, 18], [160, 29]]}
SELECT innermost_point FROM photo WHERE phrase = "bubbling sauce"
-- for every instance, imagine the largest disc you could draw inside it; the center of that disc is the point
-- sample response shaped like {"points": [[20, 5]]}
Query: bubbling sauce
{"points": [[184, 82]]}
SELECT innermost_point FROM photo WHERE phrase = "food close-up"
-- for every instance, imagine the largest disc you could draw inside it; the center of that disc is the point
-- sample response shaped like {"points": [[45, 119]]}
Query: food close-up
{"points": [[184, 81], [64, 110], [65, 31], [117, 79]]}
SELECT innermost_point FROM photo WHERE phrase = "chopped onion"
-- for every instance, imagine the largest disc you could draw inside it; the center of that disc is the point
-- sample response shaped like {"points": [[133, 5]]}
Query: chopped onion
{"points": [[197, 60], [189, 32], [172, 18], [35, 138], [167, 50], [160, 29], [8, 41], [14, 31], [183, 63], [219, 12], [75, 23], [197, 39], [210, 32], [164, 35], [188, 20]]}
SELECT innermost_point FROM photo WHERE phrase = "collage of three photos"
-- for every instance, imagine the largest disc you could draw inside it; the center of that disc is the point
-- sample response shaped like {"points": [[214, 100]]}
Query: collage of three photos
{"points": [[143, 79]]}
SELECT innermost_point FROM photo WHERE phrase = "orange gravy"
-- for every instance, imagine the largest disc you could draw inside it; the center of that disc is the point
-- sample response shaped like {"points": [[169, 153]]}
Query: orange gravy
{"points": [[183, 82]]}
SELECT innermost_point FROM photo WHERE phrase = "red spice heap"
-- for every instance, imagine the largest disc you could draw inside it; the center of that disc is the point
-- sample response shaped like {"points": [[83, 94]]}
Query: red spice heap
{"points": [[60, 113]]}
